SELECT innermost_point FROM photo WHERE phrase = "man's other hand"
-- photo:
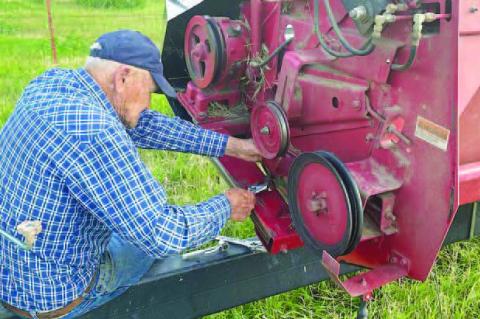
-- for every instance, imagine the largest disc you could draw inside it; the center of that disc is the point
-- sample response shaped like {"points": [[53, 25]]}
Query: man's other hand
{"points": [[242, 203], [243, 149]]}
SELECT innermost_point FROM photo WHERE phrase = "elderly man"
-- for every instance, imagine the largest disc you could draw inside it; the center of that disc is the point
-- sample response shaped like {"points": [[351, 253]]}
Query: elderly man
{"points": [[69, 163]]}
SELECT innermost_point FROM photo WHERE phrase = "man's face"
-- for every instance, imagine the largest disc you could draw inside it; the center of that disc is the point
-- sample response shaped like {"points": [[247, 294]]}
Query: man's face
{"points": [[132, 93]]}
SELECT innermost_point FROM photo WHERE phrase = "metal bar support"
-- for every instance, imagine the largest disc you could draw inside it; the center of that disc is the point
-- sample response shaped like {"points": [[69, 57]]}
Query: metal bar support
{"points": [[473, 220]]}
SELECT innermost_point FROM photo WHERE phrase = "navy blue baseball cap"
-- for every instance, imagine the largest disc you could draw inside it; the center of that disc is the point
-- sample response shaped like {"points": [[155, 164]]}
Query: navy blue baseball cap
{"points": [[135, 49]]}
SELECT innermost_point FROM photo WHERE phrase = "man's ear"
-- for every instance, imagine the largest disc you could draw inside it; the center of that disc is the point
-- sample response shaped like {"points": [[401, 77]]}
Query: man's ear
{"points": [[120, 77]]}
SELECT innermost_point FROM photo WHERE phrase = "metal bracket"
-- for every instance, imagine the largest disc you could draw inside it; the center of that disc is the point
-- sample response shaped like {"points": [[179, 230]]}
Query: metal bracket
{"points": [[364, 283]]}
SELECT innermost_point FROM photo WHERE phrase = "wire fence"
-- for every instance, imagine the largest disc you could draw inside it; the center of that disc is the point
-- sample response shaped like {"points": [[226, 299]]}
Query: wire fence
{"points": [[27, 47], [68, 21]]}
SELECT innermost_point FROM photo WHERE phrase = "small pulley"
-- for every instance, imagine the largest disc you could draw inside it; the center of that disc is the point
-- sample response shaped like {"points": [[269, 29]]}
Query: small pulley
{"points": [[204, 50], [270, 130], [325, 203]]}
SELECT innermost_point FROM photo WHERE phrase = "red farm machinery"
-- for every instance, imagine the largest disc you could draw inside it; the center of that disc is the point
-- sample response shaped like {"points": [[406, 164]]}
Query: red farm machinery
{"points": [[366, 114]]}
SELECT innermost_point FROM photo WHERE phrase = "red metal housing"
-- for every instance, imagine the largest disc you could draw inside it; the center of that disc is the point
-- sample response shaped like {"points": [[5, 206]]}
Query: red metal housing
{"points": [[405, 133]]}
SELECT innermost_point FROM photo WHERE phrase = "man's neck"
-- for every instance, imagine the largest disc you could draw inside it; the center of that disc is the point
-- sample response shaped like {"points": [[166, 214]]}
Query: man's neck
{"points": [[104, 81]]}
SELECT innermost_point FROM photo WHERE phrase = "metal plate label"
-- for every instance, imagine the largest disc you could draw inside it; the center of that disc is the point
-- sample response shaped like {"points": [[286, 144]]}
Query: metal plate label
{"points": [[432, 133]]}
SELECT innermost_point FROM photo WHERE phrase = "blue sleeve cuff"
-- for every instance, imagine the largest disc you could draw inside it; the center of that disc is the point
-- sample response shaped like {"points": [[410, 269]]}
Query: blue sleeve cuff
{"points": [[223, 140], [225, 209], [206, 220]]}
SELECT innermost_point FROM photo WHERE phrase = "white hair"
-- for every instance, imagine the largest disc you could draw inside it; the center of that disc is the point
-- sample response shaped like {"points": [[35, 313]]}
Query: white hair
{"points": [[98, 64]]}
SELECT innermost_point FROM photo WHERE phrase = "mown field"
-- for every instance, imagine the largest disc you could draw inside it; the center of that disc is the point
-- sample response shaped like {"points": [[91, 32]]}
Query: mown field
{"points": [[453, 288]]}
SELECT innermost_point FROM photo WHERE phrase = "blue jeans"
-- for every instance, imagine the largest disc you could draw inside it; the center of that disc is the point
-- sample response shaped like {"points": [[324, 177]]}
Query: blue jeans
{"points": [[122, 266]]}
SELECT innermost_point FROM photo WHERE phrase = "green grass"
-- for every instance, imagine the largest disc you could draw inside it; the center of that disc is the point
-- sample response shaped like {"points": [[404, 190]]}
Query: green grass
{"points": [[105, 4], [453, 288]]}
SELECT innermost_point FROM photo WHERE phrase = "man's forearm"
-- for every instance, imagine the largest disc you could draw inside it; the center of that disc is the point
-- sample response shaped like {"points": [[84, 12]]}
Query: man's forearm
{"points": [[243, 149], [193, 225], [157, 131]]}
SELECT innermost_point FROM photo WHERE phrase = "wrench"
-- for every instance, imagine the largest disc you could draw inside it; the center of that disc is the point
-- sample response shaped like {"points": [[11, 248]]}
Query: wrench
{"points": [[258, 188]]}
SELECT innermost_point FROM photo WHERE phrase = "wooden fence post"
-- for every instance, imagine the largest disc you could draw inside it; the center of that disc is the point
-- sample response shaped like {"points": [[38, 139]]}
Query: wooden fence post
{"points": [[52, 31]]}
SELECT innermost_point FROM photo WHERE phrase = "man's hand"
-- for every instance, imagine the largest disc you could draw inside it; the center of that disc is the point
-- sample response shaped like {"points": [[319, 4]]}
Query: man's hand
{"points": [[243, 149], [242, 203]]}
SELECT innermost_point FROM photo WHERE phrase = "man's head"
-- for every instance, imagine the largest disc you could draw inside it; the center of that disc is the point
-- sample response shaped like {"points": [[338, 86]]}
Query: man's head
{"points": [[128, 67]]}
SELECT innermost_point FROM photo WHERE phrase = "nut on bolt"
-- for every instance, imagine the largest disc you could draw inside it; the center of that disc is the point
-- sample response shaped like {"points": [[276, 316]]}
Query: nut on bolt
{"points": [[318, 203], [358, 13], [265, 130]]}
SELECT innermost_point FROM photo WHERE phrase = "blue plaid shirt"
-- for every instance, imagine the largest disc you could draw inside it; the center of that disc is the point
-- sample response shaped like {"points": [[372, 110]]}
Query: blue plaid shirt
{"points": [[67, 161]]}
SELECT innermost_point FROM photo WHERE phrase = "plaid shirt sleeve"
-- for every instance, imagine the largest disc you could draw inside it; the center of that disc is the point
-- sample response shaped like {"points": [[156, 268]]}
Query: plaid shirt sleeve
{"points": [[157, 131], [110, 180]]}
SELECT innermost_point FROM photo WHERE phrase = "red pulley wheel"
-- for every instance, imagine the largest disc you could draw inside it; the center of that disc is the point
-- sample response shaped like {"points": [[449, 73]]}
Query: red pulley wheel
{"points": [[324, 203], [270, 130], [203, 48], [356, 204]]}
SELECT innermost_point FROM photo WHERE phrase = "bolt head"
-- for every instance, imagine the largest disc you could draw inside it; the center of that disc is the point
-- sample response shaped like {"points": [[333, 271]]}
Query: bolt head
{"points": [[356, 104], [358, 13]]}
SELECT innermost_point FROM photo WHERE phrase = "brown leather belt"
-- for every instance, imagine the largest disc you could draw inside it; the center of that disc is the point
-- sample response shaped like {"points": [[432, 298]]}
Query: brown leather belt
{"points": [[57, 313]]}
